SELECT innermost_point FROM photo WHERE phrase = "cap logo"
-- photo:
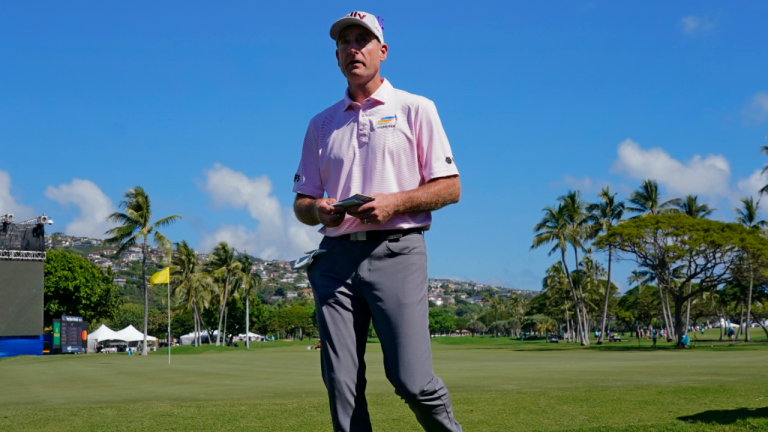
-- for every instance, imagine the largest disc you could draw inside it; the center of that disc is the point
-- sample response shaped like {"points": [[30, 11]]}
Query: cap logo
{"points": [[357, 15]]}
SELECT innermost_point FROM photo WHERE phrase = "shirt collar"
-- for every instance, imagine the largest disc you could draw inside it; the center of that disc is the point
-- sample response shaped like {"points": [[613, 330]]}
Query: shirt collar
{"points": [[382, 94]]}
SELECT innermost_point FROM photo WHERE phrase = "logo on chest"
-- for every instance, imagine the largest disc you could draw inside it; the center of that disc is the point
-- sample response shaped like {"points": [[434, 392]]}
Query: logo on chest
{"points": [[386, 122]]}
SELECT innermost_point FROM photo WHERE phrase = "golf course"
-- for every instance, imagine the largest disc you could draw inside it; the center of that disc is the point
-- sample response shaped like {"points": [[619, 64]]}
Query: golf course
{"points": [[497, 384]]}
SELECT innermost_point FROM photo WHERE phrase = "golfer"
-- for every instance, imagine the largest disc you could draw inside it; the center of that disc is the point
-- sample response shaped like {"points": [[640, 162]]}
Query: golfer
{"points": [[390, 145]]}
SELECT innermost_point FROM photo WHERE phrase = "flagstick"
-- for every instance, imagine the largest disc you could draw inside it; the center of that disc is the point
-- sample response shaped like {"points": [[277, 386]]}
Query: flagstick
{"points": [[169, 320]]}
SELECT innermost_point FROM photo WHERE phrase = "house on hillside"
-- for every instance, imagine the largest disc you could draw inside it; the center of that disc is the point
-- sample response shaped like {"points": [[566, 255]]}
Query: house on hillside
{"points": [[437, 300], [475, 300]]}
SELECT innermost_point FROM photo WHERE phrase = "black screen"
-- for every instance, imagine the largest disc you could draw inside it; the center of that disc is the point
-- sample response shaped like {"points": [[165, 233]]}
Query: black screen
{"points": [[21, 298]]}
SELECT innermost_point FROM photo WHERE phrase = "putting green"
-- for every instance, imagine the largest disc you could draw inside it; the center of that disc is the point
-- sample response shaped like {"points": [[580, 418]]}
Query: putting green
{"points": [[496, 384]]}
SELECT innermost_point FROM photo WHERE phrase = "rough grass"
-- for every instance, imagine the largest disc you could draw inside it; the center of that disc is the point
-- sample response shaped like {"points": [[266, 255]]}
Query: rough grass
{"points": [[496, 384]]}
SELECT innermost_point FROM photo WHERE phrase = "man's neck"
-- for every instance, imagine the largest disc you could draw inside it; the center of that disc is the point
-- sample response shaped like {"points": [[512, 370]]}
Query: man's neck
{"points": [[361, 92]]}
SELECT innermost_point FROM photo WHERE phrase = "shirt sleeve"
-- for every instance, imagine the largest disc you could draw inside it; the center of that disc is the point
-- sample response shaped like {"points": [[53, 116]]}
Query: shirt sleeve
{"points": [[307, 180], [435, 156]]}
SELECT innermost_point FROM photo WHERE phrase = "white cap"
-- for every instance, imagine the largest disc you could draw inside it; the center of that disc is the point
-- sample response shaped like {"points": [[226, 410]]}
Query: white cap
{"points": [[358, 18]]}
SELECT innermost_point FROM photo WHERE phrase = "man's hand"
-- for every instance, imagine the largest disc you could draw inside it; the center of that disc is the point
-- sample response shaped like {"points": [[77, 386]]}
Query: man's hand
{"points": [[313, 211], [327, 214], [378, 211], [434, 195]]}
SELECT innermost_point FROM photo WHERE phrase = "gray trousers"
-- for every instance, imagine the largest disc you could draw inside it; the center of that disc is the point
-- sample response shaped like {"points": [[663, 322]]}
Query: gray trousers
{"points": [[355, 282]]}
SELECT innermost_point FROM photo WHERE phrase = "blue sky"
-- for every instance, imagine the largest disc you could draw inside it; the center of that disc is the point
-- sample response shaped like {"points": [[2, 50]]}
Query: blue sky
{"points": [[205, 105]]}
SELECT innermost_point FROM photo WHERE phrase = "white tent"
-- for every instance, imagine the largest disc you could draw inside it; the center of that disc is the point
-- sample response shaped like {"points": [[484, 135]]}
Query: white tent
{"points": [[130, 334], [103, 333], [251, 335]]}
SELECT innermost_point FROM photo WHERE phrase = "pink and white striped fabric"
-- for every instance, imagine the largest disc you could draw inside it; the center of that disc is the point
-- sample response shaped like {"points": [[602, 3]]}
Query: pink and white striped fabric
{"points": [[392, 142]]}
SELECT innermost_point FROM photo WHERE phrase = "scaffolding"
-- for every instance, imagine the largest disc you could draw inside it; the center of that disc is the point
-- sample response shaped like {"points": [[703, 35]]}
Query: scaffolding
{"points": [[23, 241]]}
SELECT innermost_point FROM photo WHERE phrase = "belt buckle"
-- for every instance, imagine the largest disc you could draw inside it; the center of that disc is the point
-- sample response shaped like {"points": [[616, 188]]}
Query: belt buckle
{"points": [[357, 236]]}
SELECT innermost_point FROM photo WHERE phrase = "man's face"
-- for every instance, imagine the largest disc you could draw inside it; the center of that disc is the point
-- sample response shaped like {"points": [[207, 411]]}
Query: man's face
{"points": [[359, 53]]}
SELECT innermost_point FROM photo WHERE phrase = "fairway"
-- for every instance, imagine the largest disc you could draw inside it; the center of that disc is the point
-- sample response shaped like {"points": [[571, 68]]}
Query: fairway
{"points": [[497, 385]]}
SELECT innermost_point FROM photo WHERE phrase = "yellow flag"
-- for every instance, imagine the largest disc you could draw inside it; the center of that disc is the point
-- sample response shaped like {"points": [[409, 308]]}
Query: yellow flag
{"points": [[161, 277]]}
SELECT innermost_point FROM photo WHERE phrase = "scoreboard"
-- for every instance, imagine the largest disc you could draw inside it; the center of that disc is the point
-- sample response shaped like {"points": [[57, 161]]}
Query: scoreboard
{"points": [[70, 334]]}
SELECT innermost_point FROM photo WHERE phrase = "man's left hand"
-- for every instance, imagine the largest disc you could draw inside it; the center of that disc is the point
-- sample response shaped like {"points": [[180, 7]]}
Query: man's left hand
{"points": [[376, 212]]}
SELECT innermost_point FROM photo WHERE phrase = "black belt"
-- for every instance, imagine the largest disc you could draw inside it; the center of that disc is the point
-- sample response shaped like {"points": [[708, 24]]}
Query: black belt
{"points": [[382, 235]]}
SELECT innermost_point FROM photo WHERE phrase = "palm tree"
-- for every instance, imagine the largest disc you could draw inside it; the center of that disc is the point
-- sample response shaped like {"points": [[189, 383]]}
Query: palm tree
{"points": [[225, 267], [545, 326], [554, 228], [690, 206], [578, 219], [136, 224], [245, 285], [764, 150], [590, 274], [555, 283], [647, 200], [642, 279], [603, 216], [516, 303], [748, 217], [191, 285]]}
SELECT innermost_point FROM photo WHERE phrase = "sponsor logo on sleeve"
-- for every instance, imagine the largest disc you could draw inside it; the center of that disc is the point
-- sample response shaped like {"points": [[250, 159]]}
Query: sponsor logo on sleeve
{"points": [[296, 178], [386, 122], [449, 160]]}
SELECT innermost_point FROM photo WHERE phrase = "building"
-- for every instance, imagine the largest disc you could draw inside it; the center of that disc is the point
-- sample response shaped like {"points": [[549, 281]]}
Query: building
{"points": [[475, 300], [291, 294], [437, 300]]}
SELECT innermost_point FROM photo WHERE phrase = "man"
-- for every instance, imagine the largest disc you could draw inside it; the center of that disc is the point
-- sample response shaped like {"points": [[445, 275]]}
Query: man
{"points": [[390, 145]]}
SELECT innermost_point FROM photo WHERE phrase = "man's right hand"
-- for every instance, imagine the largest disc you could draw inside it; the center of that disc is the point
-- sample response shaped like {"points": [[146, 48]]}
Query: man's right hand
{"points": [[327, 214]]}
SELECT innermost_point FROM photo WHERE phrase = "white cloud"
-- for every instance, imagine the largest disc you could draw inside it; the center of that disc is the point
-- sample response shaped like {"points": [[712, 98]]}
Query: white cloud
{"points": [[278, 234], [693, 25], [94, 206], [750, 186], [8, 203], [757, 110], [706, 176]]}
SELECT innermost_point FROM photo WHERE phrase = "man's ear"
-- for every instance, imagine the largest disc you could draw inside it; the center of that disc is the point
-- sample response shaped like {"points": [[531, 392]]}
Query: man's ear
{"points": [[383, 52], [337, 58]]}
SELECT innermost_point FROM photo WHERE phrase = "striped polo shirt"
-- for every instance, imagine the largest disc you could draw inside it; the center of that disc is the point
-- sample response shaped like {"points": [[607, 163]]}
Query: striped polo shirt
{"points": [[392, 142]]}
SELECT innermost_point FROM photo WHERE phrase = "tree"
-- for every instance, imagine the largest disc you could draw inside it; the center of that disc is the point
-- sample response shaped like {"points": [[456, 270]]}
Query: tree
{"points": [[603, 215], [226, 267], [545, 326], [555, 288], [690, 206], [474, 327], [578, 219], [747, 216], [554, 228], [136, 224], [441, 322], [662, 244], [764, 150], [246, 285], [647, 200], [74, 286], [191, 284], [644, 278], [638, 307]]}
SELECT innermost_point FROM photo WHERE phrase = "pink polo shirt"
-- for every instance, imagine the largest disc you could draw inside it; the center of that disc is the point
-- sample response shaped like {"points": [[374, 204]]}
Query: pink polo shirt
{"points": [[392, 142]]}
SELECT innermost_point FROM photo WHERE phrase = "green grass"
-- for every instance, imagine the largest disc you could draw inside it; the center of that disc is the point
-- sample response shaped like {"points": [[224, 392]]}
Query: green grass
{"points": [[496, 385]]}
